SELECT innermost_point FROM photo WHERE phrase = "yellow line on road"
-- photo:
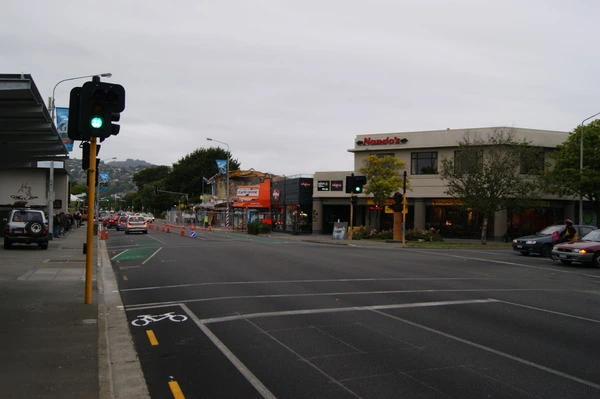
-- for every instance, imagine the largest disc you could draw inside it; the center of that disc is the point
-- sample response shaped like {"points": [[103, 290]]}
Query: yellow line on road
{"points": [[152, 337], [175, 390]]}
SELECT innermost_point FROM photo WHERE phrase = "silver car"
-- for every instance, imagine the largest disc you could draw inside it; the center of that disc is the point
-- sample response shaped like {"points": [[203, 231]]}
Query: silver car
{"points": [[136, 224]]}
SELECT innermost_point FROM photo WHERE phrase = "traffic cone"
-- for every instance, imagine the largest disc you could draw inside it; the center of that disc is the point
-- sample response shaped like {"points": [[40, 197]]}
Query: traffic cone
{"points": [[182, 233]]}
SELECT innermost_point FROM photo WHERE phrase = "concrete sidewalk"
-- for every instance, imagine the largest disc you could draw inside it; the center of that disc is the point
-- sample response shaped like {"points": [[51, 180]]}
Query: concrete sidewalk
{"points": [[53, 344]]}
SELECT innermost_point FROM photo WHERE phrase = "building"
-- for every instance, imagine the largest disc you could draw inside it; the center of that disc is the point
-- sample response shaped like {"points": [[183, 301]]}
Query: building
{"points": [[33, 153], [428, 205]]}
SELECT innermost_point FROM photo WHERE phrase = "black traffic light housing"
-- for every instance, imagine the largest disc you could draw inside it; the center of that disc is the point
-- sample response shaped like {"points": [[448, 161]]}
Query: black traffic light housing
{"points": [[354, 184], [74, 103], [397, 207], [100, 105]]}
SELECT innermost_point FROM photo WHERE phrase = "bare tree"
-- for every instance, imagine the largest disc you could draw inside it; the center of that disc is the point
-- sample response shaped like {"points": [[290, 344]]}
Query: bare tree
{"points": [[492, 173]]}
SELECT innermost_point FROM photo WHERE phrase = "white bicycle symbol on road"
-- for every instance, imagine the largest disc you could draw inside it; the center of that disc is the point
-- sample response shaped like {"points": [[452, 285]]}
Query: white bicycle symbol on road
{"points": [[145, 319]]}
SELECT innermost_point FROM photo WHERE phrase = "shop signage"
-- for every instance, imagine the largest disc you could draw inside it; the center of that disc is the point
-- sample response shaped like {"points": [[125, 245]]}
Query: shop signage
{"points": [[276, 194], [337, 185], [386, 141], [446, 202], [306, 184], [339, 230], [323, 185], [248, 191]]}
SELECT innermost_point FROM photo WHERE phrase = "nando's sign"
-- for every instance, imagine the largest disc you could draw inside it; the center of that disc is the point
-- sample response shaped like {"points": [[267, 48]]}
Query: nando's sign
{"points": [[386, 141]]}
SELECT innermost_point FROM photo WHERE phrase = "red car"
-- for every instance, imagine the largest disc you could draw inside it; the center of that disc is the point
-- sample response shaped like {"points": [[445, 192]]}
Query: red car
{"points": [[586, 250], [110, 221]]}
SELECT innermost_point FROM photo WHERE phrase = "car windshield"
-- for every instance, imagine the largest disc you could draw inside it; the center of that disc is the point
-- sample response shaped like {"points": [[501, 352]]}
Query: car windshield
{"points": [[592, 236], [551, 229]]}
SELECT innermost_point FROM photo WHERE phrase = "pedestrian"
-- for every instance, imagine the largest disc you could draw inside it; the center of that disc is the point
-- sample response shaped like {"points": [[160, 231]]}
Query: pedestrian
{"points": [[569, 233]]}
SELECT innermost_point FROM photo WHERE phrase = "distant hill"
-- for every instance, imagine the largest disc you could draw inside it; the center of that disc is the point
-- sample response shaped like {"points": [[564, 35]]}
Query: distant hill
{"points": [[120, 174]]}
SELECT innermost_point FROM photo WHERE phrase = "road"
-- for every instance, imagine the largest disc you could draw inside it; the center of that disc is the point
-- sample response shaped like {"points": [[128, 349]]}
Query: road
{"points": [[227, 315]]}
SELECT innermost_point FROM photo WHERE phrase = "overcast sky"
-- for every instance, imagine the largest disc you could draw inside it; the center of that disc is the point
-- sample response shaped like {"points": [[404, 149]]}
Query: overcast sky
{"points": [[289, 84]]}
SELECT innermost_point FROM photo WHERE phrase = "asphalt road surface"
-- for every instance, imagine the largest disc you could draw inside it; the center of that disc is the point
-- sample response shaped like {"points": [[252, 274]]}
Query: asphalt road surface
{"points": [[226, 315]]}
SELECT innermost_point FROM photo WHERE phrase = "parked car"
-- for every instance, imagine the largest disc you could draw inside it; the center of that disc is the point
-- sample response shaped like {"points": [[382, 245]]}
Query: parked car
{"points": [[586, 250], [26, 226], [541, 242], [136, 224], [121, 222]]}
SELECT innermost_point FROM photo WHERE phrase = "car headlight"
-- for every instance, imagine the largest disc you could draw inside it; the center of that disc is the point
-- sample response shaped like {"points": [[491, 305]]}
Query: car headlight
{"points": [[580, 251], [531, 242]]}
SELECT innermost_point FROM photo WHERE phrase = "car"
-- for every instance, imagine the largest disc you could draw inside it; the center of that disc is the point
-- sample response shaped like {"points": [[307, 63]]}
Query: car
{"points": [[26, 226], [136, 224], [586, 250], [121, 222], [541, 243], [110, 221]]}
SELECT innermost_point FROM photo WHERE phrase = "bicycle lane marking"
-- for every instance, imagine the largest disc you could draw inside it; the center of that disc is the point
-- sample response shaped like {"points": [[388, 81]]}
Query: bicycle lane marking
{"points": [[136, 253]]}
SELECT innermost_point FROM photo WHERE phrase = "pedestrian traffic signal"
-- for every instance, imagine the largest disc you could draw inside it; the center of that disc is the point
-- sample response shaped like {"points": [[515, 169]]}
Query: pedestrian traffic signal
{"points": [[100, 105]]}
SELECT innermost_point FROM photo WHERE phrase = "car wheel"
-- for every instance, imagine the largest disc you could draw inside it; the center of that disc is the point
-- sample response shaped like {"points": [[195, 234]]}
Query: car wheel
{"points": [[44, 245], [145, 231], [525, 253], [126, 232], [596, 260], [565, 262], [546, 250], [7, 244]]}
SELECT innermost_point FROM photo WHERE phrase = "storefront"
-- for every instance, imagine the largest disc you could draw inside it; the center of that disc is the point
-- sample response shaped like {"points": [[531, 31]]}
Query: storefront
{"points": [[253, 205], [291, 204]]}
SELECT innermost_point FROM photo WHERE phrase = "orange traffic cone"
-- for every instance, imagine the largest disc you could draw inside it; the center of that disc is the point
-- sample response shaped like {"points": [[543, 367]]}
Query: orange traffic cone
{"points": [[182, 233]]}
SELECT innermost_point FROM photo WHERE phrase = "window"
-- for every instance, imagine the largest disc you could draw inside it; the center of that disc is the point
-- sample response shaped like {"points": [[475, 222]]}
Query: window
{"points": [[423, 163], [467, 161], [532, 162]]}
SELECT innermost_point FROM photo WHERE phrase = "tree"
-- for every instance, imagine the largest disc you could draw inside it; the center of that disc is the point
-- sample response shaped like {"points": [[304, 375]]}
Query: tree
{"points": [[489, 174], [383, 178], [187, 173], [565, 178], [150, 175]]}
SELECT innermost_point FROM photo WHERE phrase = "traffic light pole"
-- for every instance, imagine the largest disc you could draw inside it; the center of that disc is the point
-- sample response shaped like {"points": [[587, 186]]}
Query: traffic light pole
{"points": [[89, 245], [351, 219]]}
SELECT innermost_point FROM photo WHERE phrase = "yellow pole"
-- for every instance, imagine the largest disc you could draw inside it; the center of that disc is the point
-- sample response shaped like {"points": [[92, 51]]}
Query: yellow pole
{"points": [[89, 246]]}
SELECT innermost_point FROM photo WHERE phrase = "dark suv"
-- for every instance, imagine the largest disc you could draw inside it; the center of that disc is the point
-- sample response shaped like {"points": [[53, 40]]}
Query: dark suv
{"points": [[26, 226]]}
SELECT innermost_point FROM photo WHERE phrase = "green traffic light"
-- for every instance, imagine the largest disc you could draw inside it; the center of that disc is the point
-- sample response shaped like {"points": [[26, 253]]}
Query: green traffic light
{"points": [[96, 122], [358, 189]]}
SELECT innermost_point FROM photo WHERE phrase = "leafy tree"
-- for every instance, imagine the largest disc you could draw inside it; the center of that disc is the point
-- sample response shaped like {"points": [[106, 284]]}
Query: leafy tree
{"points": [[187, 173], [78, 188], [565, 178], [383, 178], [150, 175], [486, 174]]}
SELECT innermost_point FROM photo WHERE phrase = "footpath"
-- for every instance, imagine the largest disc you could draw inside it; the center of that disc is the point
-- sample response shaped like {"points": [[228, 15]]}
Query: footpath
{"points": [[53, 344]]}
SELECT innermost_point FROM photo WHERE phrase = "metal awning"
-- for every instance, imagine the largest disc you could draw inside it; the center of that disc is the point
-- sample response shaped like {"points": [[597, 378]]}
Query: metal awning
{"points": [[27, 133]]}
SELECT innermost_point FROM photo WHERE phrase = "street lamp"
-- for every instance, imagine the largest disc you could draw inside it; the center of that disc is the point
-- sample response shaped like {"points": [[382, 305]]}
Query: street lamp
{"points": [[581, 167], [52, 100], [226, 179]]}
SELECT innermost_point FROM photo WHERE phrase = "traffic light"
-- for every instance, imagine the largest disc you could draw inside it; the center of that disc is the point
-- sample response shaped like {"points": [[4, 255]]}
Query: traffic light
{"points": [[73, 126], [354, 184], [359, 182], [100, 105], [397, 202]]}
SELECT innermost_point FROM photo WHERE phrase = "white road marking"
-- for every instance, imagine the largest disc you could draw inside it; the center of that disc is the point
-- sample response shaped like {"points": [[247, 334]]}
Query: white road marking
{"points": [[245, 371], [341, 280], [337, 310], [491, 350], [224, 298]]}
